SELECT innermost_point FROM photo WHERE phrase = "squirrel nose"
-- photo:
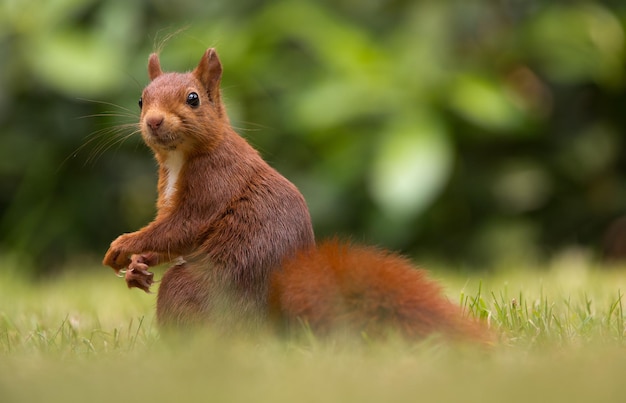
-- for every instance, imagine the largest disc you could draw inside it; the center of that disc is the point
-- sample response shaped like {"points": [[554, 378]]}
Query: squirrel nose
{"points": [[154, 122]]}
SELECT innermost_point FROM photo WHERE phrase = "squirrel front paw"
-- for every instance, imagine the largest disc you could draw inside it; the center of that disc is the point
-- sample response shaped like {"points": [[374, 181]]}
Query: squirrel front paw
{"points": [[117, 256], [116, 259], [144, 260], [139, 278], [137, 274]]}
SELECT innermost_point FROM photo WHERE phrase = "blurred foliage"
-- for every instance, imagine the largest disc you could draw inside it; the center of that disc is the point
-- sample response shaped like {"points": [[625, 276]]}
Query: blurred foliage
{"points": [[470, 131]]}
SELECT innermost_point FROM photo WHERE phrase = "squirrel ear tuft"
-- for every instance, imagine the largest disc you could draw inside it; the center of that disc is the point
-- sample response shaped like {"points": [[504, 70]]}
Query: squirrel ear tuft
{"points": [[209, 72], [154, 66]]}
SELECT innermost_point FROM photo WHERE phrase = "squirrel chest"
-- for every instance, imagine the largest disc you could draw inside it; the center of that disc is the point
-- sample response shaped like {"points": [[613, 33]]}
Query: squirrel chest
{"points": [[172, 165]]}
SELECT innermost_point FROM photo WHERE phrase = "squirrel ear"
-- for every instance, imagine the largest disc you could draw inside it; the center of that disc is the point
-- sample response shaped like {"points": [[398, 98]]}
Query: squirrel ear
{"points": [[154, 66], [209, 72]]}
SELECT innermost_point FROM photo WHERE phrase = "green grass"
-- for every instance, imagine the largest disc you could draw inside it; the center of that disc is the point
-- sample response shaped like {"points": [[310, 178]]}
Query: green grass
{"points": [[85, 337]]}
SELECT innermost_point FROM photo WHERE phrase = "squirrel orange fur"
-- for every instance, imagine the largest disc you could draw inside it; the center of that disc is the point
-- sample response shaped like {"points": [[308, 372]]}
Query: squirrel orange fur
{"points": [[241, 239]]}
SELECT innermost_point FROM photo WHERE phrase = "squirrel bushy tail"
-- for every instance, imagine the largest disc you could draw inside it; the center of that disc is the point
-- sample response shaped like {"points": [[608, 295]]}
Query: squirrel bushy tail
{"points": [[364, 290]]}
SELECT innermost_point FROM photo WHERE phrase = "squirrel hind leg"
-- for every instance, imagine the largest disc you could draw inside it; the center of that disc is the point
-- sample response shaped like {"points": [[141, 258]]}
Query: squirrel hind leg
{"points": [[365, 290], [180, 303], [194, 296]]}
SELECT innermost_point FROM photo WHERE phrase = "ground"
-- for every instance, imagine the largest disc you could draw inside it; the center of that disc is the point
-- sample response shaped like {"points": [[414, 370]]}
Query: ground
{"points": [[86, 337]]}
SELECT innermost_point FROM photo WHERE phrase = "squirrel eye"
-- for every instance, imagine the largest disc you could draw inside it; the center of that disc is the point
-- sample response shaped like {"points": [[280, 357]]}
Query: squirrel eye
{"points": [[140, 103], [193, 100]]}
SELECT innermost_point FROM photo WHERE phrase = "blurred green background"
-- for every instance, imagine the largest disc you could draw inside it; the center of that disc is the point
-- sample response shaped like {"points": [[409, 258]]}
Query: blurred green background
{"points": [[473, 132]]}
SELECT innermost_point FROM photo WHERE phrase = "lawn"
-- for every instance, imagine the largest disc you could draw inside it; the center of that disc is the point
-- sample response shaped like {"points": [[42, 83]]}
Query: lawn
{"points": [[84, 337]]}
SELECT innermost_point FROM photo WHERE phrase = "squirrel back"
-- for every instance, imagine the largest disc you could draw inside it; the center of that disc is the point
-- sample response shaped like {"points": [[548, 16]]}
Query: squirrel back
{"points": [[241, 239]]}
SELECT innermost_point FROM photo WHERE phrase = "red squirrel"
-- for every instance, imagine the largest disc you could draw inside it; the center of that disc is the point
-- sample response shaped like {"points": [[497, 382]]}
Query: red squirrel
{"points": [[241, 238]]}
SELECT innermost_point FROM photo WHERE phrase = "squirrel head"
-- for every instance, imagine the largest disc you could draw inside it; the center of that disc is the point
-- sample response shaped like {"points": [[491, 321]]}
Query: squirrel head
{"points": [[183, 111]]}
